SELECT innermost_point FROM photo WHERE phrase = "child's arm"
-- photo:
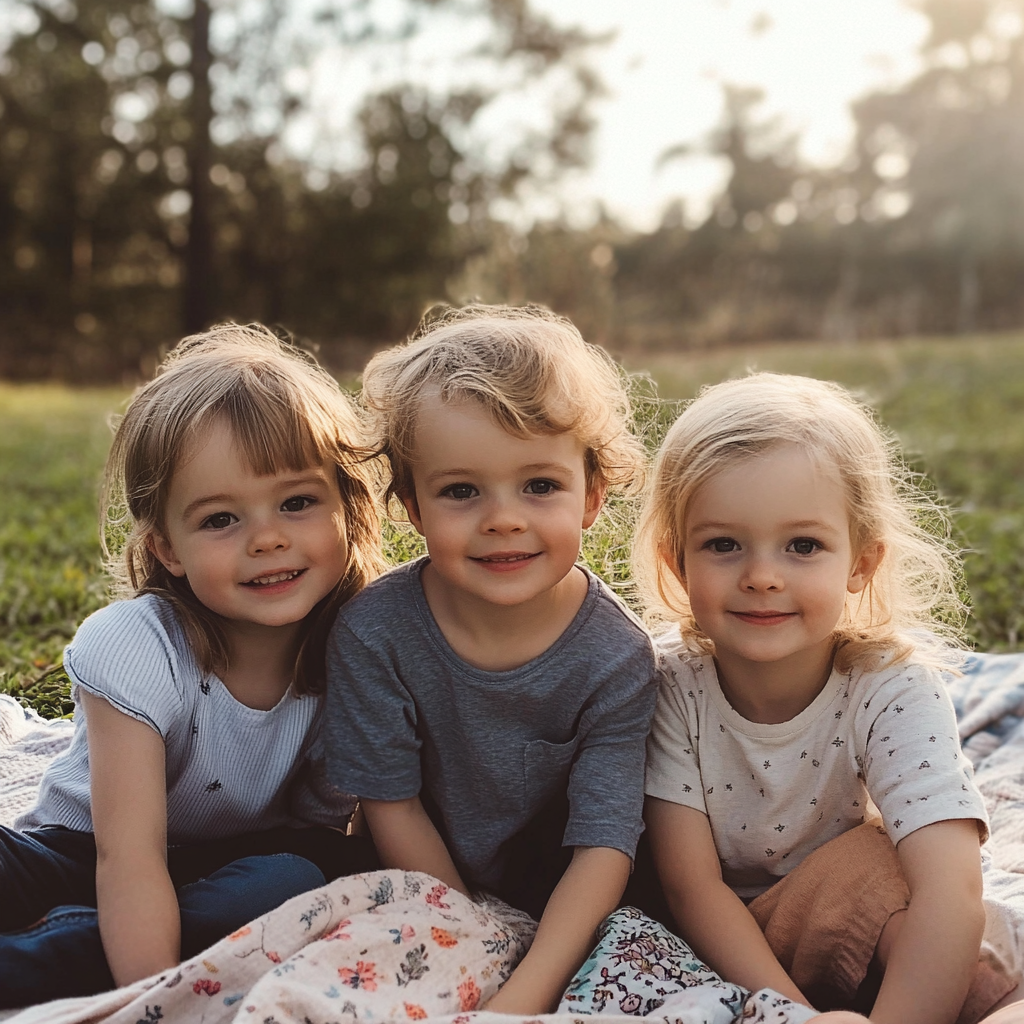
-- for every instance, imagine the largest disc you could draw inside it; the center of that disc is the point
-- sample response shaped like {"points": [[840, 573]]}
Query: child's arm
{"points": [[587, 893], [710, 916], [405, 838], [935, 953], [138, 908]]}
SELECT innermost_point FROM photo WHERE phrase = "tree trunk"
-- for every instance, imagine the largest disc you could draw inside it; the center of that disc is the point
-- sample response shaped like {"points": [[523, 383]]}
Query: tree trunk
{"points": [[198, 308]]}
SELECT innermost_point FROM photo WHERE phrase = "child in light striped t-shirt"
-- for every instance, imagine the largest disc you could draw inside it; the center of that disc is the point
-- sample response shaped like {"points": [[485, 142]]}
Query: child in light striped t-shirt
{"points": [[246, 515]]}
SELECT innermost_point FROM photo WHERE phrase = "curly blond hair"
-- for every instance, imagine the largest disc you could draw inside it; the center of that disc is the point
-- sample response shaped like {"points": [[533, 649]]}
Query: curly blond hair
{"points": [[912, 603], [285, 412], [530, 369]]}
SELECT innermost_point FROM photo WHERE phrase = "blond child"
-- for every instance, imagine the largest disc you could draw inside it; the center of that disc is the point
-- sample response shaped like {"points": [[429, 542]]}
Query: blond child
{"points": [[814, 597], [489, 703], [248, 511]]}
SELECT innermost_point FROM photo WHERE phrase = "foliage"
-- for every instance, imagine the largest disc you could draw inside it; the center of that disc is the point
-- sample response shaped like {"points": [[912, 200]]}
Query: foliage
{"points": [[147, 186], [52, 445], [918, 229], [160, 170], [958, 407]]}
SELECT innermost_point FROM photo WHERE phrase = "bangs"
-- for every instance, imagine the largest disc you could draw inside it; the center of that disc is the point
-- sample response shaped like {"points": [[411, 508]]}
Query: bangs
{"points": [[274, 433]]}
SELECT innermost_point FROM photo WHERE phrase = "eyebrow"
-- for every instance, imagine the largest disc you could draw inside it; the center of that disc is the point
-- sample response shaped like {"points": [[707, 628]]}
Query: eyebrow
{"points": [[800, 524], [315, 477], [533, 467]]}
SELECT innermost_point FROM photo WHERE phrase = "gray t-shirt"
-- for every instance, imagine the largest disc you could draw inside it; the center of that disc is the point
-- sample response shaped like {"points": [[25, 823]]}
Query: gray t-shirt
{"points": [[490, 749], [230, 768]]}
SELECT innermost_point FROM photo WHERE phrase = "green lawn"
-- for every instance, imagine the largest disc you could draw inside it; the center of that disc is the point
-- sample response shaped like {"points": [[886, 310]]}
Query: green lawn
{"points": [[957, 405]]}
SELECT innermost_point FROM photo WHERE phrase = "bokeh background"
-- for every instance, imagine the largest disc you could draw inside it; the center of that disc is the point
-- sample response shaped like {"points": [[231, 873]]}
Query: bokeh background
{"points": [[702, 185]]}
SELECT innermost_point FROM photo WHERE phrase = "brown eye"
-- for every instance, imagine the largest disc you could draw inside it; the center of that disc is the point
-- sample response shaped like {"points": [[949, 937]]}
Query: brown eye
{"points": [[459, 492], [541, 487], [296, 504], [804, 546], [218, 521], [722, 545]]}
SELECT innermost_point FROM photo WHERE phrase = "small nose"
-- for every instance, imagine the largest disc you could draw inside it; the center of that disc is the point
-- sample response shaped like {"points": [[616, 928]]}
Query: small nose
{"points": [[503, 515], [761, 575], [267, 536]]}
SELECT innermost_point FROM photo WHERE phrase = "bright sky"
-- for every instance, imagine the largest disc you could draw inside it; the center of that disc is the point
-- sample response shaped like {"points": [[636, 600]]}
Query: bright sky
{"points": [[664, 69]]}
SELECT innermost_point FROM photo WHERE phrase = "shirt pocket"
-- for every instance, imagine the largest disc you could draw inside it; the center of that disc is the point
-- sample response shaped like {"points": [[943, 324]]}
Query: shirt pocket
{"points": [[546, 769]]}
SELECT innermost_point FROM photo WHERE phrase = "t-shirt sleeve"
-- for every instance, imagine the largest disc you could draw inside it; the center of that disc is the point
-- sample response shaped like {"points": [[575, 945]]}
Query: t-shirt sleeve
{"points": [[914, 769], [313, 800], [132, 654], [673, 761], [372, 747], [607, 777]]}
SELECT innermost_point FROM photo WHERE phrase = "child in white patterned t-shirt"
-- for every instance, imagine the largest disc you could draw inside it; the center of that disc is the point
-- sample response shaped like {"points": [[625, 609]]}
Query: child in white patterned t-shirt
{"points": [[812, 819]]}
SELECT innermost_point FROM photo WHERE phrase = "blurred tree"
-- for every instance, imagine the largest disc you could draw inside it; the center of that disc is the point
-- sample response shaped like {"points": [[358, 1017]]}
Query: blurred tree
{"points": [[147, 182], [82, 131], [760, 154], [571, 270], [944, 156]]}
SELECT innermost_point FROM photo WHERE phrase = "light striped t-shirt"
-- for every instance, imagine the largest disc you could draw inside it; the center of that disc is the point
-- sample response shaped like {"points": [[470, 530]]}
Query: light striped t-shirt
{"points": [[230, 768]]}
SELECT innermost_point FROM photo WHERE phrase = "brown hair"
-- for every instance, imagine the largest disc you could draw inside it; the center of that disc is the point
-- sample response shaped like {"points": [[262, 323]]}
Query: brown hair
{"points": [[911, 603], [531, 370], [286, 412]]}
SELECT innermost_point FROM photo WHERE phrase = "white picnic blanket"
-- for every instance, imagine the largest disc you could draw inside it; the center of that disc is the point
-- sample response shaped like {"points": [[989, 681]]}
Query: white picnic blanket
{"points": [[389, 946], [393, 946]]}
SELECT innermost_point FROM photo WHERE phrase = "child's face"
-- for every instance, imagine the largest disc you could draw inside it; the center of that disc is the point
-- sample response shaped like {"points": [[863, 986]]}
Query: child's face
{"points": [[503, 516], [768, 559], [255, 549]]}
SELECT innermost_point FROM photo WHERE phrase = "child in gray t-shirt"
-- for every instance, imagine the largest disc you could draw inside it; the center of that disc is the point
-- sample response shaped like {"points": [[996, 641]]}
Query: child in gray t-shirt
{"points": [[490, 702]]}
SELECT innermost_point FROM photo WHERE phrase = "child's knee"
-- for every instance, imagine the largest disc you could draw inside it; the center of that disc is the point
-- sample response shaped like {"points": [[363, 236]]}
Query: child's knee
{"points": [[269, 879], [238, 893]]}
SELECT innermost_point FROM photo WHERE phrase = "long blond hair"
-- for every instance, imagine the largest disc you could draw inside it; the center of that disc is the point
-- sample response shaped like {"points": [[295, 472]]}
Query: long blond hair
{"points": [[912, 602], [285, 412]]}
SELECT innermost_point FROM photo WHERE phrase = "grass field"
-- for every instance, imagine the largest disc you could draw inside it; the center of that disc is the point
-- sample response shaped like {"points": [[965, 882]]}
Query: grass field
{"points": [[957, 405]]}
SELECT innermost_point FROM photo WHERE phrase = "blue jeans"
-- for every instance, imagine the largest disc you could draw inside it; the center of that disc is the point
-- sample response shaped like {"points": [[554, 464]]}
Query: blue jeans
{"points": [[52, 872]]}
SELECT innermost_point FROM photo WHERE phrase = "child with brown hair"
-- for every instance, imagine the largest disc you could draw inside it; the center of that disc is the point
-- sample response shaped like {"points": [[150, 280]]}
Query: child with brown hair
{"points": [[489, 703], [250, 510]]}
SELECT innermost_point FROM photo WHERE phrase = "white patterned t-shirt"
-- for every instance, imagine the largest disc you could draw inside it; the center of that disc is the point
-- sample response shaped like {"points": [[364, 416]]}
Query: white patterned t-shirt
{"points": [[774, 793]]}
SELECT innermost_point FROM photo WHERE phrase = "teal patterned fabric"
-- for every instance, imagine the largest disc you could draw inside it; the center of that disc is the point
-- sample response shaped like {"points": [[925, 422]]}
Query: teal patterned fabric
{"points": [[639, 968]]}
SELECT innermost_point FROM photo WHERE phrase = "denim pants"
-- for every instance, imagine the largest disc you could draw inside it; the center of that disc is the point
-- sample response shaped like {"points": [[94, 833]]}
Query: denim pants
{"points": [[50, 947]]}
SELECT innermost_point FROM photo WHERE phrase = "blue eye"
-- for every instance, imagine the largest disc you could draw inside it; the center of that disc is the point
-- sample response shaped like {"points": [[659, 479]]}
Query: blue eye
{"points": [[218, 521], [297, 503]]}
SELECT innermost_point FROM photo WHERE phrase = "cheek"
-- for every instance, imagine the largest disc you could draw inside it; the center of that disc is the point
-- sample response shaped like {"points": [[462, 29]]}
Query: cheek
{"points": [[702, 587]]}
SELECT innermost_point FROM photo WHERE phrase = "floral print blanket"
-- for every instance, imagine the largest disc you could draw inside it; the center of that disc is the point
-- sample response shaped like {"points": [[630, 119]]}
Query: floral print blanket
{"points": [[386, 946], [394, 947]]}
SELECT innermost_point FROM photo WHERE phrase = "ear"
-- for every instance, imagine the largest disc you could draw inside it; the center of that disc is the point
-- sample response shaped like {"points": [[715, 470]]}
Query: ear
{"points": [[865, 565], [160, 547], [412, 510], [595, 502]]}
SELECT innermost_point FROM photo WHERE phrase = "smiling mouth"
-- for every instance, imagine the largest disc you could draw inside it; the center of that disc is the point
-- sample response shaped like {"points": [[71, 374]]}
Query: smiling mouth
{"points": [[764, 618], [507, 559], [277, 577]]}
